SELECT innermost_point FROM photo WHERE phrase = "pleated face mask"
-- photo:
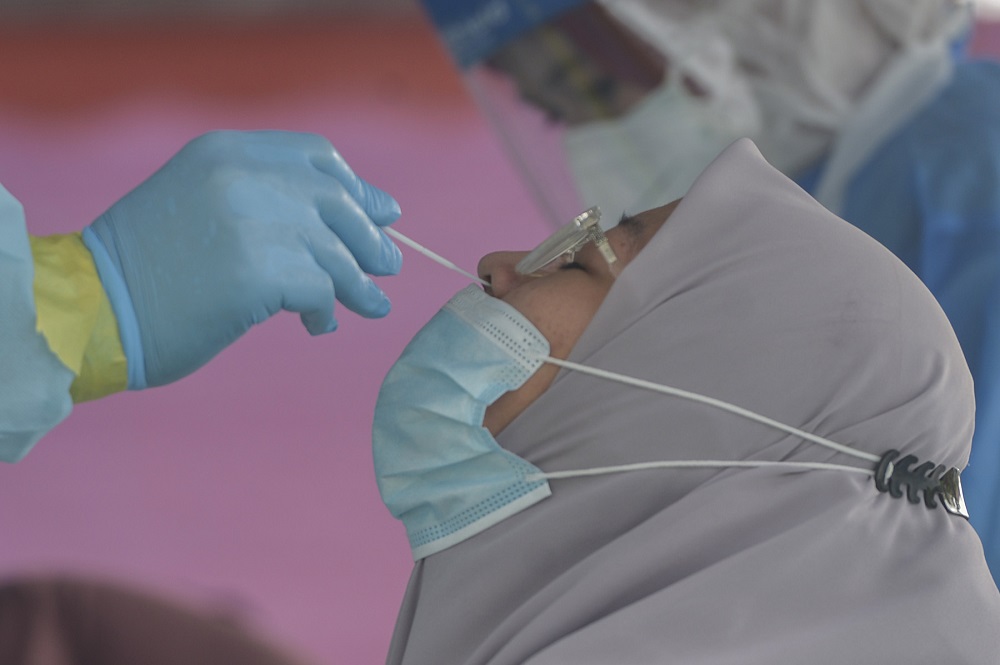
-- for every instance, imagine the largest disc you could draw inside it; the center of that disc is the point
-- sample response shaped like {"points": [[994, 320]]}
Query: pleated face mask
{"points": [[438, 469]]}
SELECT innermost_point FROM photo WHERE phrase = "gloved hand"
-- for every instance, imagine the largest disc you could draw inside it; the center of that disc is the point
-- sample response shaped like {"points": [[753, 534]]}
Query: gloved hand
{"points": [[234, 228]]}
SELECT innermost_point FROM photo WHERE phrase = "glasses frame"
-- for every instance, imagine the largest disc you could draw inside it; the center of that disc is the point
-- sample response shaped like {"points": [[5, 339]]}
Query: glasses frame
{"points": [[566, 242]]}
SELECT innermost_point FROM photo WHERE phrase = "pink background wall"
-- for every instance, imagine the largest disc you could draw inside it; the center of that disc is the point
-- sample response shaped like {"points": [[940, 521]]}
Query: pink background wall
{"points": [[247, 486]]}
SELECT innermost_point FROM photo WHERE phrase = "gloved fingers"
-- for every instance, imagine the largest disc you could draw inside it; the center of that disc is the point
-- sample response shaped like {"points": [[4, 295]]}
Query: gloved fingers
{"points": [[284, 146], [313, 297], [285, 142], [380, 207], [272, 148], [372, 249], [353, 288]]}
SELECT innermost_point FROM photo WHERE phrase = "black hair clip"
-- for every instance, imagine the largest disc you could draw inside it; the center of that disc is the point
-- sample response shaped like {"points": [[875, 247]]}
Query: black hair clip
{"points": [[931, 479]]}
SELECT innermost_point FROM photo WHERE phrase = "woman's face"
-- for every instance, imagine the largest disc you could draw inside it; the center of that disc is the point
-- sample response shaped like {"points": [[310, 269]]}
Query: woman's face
{"points": [[562, 303]]}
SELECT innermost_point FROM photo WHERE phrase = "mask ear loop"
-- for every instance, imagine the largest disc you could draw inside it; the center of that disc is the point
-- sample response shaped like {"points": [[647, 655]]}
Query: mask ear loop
{"points": [[719, 404], [694, 464], [890, 474]]}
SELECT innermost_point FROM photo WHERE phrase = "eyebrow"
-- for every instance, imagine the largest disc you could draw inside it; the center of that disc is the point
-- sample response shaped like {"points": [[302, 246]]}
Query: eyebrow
{"points": [[634, 227]]}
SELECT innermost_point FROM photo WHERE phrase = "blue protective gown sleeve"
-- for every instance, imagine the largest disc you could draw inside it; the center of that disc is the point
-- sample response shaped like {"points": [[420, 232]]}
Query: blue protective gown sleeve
{"points": [[931, 194], [34, 383]]}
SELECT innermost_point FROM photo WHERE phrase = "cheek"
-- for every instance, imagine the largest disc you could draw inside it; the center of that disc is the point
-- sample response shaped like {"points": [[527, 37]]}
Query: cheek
{"points": [[561, 315], [567, 327]]}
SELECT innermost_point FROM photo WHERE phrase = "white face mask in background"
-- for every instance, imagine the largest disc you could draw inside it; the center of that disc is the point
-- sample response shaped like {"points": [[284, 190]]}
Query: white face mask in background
{"points": [[652, 154]]}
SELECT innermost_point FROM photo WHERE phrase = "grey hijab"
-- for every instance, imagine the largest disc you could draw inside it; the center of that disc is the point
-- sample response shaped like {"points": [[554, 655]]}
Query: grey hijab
{"points": [[754, 294]]}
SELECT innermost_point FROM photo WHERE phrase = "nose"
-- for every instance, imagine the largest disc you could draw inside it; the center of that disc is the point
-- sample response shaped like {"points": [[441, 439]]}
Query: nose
{"points": [[497, 268]]}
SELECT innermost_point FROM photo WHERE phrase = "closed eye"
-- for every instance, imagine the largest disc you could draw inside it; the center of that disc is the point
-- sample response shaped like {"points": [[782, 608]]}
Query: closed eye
{"points": [[572, 265]]}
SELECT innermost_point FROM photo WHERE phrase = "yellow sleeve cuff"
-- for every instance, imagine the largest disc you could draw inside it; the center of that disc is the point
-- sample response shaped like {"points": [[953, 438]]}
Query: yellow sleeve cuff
{"points": [[76, 318]]}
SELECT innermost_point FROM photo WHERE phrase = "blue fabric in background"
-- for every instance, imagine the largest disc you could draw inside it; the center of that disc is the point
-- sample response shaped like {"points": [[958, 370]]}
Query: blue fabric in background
{"points": [[931, 194], [474, 29]]}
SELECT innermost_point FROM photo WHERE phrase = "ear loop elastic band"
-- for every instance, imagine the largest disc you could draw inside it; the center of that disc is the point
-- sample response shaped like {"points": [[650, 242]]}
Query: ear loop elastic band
{"points": [[694, 464], [719, 404], [933, 481]]}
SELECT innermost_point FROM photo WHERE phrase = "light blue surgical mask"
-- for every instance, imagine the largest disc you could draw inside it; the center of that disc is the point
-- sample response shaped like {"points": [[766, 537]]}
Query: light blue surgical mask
{"points": [[438, 469]]}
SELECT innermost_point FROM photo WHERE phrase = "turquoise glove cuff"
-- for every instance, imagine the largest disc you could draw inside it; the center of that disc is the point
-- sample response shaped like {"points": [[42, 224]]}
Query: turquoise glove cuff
{"points": [[121, 303]]}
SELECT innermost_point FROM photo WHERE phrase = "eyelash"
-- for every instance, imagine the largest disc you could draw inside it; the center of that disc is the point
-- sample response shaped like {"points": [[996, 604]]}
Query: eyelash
{"points": [[572, 265]]}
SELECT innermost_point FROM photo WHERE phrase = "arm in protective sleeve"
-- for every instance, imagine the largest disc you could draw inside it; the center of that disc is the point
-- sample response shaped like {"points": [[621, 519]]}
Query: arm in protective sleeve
{"points": [[34, 383], [65, 346]]}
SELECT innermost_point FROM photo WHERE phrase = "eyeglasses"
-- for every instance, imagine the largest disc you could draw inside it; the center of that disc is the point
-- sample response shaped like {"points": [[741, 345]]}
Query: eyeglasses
{"points": [[561, 247]]}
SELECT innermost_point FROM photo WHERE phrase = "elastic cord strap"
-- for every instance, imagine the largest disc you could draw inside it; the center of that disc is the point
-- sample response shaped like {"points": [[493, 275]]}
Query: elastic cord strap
{"points": [[121, 303], [696, 464], [717, 403]]}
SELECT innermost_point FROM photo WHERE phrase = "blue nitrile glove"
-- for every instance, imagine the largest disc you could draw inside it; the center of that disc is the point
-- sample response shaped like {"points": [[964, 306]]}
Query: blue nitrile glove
{"points": [[234, 228]]}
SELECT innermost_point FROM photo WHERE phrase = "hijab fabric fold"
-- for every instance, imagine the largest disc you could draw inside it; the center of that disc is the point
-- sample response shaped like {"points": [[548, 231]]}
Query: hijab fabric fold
{"points": [[754, 294]]}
